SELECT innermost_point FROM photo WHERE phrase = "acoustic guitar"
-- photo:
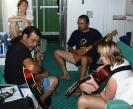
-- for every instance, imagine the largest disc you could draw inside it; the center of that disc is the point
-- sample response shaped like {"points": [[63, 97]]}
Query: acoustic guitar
{"points": [[98, 76], [85, 50], [34, 81]]}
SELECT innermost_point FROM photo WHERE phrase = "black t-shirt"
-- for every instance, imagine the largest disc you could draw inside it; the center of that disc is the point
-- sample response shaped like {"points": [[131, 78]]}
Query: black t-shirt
{"points": [[15, 56], [83, 39]]}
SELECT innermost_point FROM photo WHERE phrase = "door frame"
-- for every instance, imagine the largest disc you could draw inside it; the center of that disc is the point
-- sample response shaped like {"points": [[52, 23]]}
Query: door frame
{"points": [[37, 8], [62, 21]]}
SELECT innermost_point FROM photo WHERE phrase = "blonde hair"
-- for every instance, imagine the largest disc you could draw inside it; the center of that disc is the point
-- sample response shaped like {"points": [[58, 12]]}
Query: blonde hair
{"points": [[111, 50]]}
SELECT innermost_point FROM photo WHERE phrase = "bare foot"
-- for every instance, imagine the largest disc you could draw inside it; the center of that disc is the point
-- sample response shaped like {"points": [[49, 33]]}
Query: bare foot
{"points": [[65, 77]]}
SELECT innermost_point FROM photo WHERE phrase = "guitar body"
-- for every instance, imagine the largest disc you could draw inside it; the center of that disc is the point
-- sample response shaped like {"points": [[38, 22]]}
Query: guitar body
{"points": [[77, 57], [34, 82], [102, 74], [99, 77], [31, 81]]}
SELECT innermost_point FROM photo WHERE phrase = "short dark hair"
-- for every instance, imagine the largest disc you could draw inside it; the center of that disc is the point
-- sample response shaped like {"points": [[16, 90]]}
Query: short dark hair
{"points": [[84, 17], [28, 31]]}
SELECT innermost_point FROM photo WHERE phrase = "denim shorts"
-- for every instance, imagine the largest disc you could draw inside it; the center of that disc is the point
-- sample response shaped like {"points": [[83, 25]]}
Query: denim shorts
{"points": [[46, 84]]}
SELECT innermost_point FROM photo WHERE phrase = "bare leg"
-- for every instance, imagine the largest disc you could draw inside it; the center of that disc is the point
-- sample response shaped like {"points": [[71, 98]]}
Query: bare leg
{"points": [[62, 56], [91, 102], [85, 61], [53, 85]]}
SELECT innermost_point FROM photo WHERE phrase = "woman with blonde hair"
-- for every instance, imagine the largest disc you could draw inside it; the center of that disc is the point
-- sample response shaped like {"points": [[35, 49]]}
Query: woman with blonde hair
{"points": [[119, 85], [20, 21]]}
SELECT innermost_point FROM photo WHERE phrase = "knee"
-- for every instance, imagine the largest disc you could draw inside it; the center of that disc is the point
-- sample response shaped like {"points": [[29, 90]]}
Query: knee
{"points": [[53, 81], [57, 53], [82, 101]]}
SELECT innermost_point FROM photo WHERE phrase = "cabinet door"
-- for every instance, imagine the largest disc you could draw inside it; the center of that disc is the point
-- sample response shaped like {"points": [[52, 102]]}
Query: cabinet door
{"points": [[96, 12], [115, 7], [129, 7]]}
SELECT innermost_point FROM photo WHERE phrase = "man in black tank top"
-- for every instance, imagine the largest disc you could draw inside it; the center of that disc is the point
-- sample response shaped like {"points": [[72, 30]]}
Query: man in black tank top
{"points": [[80, 38]]}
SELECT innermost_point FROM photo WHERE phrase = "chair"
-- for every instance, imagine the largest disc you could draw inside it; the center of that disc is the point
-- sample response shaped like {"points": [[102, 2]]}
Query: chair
{"points": [[118, 104]]}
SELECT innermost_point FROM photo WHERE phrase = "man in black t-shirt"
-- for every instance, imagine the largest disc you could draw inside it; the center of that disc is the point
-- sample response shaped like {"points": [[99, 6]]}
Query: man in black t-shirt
{"points": [[80, 38], [19, 56]]}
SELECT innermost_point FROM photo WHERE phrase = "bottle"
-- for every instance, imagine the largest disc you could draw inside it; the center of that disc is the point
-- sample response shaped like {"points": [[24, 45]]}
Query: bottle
{"points": [[0, 48], [3, 48]]}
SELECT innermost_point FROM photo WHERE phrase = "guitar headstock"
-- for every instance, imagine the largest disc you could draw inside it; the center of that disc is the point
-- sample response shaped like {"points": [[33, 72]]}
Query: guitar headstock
{"points": [[71, 89], [111, 35], [114, 32]]}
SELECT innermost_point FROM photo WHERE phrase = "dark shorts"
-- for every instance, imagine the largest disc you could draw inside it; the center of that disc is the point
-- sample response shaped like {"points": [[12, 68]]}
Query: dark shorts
{"points": [[95, 59]]}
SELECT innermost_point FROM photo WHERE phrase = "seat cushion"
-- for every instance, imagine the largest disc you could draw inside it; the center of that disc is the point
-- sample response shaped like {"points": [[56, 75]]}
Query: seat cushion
{"points": [[117, 104]]}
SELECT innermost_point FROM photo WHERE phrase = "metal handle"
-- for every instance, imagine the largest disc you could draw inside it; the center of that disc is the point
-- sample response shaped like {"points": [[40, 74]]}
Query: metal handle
{"points": [[44, 7]]}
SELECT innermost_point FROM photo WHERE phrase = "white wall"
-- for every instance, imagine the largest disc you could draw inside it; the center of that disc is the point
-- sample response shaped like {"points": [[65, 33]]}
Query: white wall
{"points": [[115, 7], [76, 8], [103, 11]]}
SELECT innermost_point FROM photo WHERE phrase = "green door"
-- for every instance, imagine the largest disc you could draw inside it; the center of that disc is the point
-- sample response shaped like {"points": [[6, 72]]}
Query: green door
{"points": [[46, 18]]}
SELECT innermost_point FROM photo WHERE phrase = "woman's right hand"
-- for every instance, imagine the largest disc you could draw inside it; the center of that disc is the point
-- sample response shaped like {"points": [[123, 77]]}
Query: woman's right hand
{"points": [[89, 86]]}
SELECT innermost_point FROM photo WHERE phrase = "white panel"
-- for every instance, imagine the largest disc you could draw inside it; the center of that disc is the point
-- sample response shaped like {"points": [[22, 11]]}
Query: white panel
{"points": [[76, 8], [129, 10], [98, 9], [115, 7], [129, 26]]}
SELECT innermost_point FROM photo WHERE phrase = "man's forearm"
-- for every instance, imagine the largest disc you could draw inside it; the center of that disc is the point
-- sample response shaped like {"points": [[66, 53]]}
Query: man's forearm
{"points": [[105, 96]]}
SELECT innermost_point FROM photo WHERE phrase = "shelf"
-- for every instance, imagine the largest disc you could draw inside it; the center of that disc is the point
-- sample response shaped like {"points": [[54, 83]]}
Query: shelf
{"points": [[123, 17]]}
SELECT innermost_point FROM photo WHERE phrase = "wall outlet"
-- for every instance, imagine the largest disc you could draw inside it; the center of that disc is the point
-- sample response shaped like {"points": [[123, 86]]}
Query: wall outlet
{"points": [[89, 14]]}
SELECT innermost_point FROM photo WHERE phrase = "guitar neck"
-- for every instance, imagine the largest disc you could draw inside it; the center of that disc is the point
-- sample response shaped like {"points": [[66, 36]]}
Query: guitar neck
{"points": [[83, 80], [97, 42]]}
